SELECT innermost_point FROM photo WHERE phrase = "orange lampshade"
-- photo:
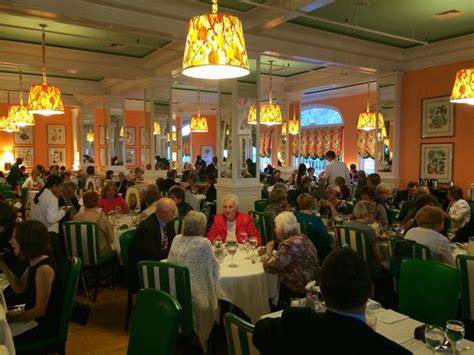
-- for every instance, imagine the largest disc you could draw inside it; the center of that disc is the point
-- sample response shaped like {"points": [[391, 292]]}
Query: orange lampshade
{"points": [[199, 124], [90, 137], [270, 114], [463, 89], [20, 116], [294, 126], [45, 100], [156, 128], [215, 47], [7, 125]]}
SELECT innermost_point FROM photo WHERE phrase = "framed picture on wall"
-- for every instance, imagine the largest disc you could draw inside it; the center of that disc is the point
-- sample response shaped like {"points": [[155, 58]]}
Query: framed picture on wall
{"points": [[103, 156], [57, 156], [437, 161], [56, 134], [24, 136], [144, 156], [101, 135], [144, 136], [27, 154], [129, 136], [130, 157], [206, 153], [437, 117]]}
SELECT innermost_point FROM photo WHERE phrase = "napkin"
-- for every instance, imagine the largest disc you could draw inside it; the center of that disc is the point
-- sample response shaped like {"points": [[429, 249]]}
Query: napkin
{"points": [[389, 316]]}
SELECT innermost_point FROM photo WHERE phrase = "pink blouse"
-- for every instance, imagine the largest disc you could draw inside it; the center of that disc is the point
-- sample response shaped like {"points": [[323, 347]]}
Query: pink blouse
{"points": [[110, 204]]}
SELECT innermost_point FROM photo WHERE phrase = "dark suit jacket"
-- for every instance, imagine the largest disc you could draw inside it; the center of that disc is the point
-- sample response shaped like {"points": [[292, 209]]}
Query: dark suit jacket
{"points": [[122, 187], [147, 245], [407, 209], [166, 185], [401, 196], [303, 331]]}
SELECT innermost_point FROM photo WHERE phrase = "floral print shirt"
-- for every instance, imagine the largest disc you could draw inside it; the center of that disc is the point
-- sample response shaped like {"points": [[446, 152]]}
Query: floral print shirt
{"points": [[295, 260]]}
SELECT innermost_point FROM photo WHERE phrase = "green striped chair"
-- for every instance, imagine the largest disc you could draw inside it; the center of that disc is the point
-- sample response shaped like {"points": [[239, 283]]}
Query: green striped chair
{"points": [[392, 214], [82, 240], [264, 226], [356, 240], [417, 251], [173, 279], [239, 336], [125, 242], [465, 263], [259, 205]]}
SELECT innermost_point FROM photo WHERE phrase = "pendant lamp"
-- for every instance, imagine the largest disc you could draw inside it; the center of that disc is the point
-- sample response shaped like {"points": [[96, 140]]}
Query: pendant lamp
{"points": [[368, 120], [90, 135], [121, 134], [463, 89], [215, 47], [270, 114], [294, 125], [198, 122], [45, 99], [19, 113], [156, 128]]}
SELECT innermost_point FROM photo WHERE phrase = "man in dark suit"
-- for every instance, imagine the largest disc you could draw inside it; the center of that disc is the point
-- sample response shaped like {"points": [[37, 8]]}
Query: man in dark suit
{"points": [[342, 329], [153, 237], [68, 198], [165, 185], [409, 206], [405, 195], [122, 184]]}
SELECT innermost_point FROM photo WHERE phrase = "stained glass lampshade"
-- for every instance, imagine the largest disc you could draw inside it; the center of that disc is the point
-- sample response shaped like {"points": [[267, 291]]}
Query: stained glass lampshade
{"points": [[7, 125], [90, 137], [199, 124], [294, 126], [366, 121], [20, 116], [270, 114], [156, 128], [463, 89], [215, 47]]}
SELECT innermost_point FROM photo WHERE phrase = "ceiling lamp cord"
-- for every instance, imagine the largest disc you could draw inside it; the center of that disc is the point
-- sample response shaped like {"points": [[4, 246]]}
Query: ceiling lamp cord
{"points": [[271, 86], [43, 66]]}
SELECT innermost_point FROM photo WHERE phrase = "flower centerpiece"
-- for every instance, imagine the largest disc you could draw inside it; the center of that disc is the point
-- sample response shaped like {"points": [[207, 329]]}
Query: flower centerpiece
{"points": [[219, 250], [312, 291]]}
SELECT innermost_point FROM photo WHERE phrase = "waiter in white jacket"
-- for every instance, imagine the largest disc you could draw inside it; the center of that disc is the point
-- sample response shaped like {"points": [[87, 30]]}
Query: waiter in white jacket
{"points": [[45, 204], [334, 169]]}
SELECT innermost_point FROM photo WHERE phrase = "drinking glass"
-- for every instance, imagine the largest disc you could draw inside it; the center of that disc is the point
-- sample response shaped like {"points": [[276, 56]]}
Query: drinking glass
{"points": [[243, 236], [454, 333], [294, 302], [434, 337], [232, 249], [372, 321]]}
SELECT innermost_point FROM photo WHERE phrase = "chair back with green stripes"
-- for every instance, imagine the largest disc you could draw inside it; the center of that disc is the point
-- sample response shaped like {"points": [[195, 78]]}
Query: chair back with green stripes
{"points": [[392, 214], [178, 225], [416, 251], [260, 205], [465, 263], [173, 279], [82, 240], [125, 241], [264, 226], [356, 240], [239, 336]]}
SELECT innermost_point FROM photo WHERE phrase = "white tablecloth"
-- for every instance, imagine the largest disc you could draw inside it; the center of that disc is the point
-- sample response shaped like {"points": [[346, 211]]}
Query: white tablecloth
{"points": [[6, 338], [118, 232], [247, 286]]}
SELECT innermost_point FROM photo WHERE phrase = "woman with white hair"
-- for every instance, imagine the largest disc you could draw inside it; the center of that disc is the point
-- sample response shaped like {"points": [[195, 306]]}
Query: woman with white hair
{"points": [[295, 259], [232, 225], [333, 206], [193, 250]]}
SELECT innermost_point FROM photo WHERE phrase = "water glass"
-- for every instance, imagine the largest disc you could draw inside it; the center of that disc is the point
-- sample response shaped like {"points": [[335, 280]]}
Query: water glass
{"points": [[454, 333], [434, 337], [232, 249], [371, 321], [295, 302]]}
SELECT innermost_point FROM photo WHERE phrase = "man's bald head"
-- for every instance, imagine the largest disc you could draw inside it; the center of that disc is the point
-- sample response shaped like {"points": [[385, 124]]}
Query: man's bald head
{"points": [[422, 190], [166, 209]]}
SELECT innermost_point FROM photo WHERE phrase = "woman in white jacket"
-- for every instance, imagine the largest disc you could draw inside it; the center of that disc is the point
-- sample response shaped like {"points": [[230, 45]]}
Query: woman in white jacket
{"points": [[459, 210], [193, 250], [45, 206]]}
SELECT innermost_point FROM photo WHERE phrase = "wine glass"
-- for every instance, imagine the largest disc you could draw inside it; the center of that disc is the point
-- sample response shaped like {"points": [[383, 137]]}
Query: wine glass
{"points": [[434, 337], [232, 249], [243, 236], [454, 333]]}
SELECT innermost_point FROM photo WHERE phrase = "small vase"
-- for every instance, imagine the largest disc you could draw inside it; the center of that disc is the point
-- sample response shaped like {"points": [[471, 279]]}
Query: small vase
{"points": [[310, 302]]}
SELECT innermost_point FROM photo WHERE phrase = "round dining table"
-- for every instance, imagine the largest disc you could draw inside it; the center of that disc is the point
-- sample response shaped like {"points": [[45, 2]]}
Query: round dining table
{"points": [[247, 286]]}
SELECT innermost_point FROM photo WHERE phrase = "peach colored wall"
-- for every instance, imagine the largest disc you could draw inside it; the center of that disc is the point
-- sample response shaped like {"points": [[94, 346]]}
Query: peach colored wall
{"points": [[209, 138], [99, 121], [40, 137], [426, 83], [136, 119]]}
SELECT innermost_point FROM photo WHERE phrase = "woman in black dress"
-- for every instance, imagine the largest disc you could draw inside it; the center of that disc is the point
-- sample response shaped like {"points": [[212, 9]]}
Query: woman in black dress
{"points": [[39, 285]]}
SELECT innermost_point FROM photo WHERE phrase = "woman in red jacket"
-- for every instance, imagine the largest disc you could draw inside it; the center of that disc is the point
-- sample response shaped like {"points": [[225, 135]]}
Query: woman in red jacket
{"points": [[232, 224]]}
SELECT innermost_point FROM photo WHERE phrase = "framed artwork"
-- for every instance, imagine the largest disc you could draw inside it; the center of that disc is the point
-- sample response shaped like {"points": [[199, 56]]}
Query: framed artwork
{"points": [[102, 156], [24, 136], [56, 134], [57, 156], [144, 136], [130, 157], [27, 154], [437, 117], [206, 153], [437, 161], [101, 135], [145, 156], [129, 136]]}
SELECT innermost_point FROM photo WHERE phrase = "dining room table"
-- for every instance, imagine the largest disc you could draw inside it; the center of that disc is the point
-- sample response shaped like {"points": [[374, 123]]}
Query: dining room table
{"points": [[7, 346], [122, 223], [247, 285]]}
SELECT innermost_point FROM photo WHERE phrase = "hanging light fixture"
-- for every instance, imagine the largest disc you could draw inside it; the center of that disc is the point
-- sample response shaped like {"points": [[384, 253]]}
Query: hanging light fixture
{"points": [[19, 113], [369, 120], [294, 125], [198, 122], [156, 128], [90, 135], [45, 99], [121, 134], [174, 135], [215, 47], [6, 123], [463, 89], [270, 114], [283, 129]]}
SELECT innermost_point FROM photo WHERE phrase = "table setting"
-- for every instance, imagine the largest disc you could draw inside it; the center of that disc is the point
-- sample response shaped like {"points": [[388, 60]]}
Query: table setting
{"points": [[122, 223]]}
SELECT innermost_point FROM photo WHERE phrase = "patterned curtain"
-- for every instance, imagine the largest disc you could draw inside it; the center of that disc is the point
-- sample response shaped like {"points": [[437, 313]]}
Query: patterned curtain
{"points": [[315, 142], [265, 142], [187, 145], [366, 143]]}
